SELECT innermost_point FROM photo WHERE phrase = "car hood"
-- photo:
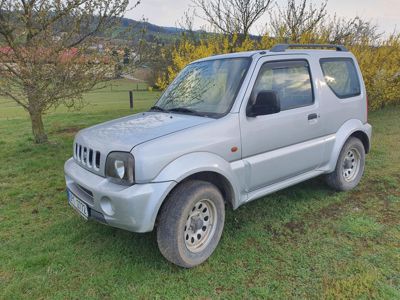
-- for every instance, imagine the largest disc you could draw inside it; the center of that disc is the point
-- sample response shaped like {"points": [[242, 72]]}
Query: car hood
{"points": [[125, 133]]}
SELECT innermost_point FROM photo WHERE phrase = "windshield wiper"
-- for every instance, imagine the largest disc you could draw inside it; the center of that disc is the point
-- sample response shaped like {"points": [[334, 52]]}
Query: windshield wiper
{"points": [[158, 108], [186, 110]]}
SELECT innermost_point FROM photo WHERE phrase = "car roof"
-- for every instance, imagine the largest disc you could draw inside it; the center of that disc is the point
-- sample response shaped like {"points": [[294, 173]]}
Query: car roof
{"points": [[259, 53]]}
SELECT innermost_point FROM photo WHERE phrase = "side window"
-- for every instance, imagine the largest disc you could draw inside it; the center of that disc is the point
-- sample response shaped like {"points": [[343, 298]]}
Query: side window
{"points": [[341, 76], [291, 81]]}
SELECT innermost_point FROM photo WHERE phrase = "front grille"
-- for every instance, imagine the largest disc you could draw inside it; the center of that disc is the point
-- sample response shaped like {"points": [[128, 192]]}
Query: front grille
{"points": [[86, 156]]}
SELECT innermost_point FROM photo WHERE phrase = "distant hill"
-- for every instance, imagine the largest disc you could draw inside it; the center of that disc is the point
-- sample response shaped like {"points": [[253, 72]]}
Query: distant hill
{"points": [[130, 30], [125, 22]]}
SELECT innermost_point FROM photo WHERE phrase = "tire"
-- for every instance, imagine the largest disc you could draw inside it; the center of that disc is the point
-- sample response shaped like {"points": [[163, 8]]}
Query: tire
{"points": [[190, 223], [349, 166]]}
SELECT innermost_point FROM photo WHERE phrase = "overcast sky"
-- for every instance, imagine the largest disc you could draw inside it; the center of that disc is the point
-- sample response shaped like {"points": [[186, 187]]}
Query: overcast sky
{"points": [[385, 13]]}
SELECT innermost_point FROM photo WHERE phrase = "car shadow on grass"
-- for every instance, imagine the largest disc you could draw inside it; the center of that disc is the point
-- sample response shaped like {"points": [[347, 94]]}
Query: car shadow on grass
{"points": [[284, 205]]}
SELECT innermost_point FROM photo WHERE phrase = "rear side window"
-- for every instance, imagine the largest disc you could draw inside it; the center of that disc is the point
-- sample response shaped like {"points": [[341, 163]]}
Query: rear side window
{"points": [[291, 80], [341, 76]]}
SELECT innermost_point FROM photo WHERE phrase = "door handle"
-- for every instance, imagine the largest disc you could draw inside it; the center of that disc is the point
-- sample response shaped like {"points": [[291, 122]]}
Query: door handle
{"points": [[312, 116]]}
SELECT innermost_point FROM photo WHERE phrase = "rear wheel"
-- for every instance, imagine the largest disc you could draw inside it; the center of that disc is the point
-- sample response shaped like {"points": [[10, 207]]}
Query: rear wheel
{"points": [[349, 167], [191, 223]]}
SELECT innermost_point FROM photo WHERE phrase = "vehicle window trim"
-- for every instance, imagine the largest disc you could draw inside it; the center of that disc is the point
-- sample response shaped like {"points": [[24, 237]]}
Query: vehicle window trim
{"points": [[335, 59], [289, 62]]}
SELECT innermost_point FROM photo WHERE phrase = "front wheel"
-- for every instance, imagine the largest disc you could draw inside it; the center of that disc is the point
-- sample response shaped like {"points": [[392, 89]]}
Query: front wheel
{"points": [[349, 167], [191, 223]]}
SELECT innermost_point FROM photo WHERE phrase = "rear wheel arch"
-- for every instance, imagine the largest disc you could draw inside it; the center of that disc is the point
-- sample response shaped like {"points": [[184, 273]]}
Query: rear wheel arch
{"points": [[363, 137], [349, 167], [350, 129]]}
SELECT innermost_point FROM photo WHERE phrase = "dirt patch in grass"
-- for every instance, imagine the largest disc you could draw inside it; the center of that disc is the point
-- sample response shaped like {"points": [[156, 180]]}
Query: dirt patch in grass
{"points": [[222, 290], [5, 276], [356, 285], [358, 199], [389, 214], [386, 210], [272, 231], [333, 210], [386, 196], [295, 227], [388, 185]]}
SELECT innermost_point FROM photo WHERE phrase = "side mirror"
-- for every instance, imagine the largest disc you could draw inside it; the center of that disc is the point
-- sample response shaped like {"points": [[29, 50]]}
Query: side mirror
{"points": [[267, 103]]}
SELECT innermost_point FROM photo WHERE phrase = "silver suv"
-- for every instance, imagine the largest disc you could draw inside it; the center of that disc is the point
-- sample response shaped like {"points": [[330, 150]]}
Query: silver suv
{"points": [[229, 129]]}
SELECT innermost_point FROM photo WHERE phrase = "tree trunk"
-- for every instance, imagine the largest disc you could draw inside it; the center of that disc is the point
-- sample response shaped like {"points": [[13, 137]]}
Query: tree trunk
{"points": [[38, 128]]}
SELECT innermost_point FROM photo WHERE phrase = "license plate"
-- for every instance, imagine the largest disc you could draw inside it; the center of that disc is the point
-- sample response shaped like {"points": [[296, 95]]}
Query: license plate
{"points": [[79, 205]]}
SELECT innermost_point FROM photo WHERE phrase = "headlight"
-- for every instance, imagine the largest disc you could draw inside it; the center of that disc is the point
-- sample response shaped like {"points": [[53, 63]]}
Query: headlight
{"points": [[120, 168]]}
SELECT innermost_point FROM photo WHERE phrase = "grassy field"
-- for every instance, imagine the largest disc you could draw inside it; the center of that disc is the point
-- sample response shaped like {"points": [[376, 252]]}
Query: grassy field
{"points": [[114, 97], [304, 242]]}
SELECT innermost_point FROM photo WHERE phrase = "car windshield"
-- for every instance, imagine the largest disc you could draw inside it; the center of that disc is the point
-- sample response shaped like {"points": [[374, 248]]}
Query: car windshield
{"points": [[205, 88]]}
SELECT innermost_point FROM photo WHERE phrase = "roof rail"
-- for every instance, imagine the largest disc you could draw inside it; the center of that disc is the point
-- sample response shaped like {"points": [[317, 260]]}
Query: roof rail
{"points": [[284, 47]]}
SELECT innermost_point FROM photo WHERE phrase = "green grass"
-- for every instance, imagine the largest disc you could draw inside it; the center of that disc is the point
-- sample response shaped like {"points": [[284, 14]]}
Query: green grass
{"points": [[115, 97], [303, 242]]}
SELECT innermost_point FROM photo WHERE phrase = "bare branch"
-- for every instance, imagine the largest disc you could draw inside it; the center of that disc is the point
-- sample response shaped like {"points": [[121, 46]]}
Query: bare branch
{"points": [[296, 19], [232, 16], [350, 31]]}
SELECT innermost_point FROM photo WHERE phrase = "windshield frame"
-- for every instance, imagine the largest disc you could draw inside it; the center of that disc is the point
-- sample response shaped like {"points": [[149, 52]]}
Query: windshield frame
{"points": [[213, 115]]}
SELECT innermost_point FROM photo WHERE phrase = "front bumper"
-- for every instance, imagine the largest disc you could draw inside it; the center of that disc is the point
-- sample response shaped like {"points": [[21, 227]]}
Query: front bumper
{"points": [[133, 208]]}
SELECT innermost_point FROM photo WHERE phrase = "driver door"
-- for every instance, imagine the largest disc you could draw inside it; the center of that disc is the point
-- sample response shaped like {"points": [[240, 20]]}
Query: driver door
{"points": [[282, 145]]}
